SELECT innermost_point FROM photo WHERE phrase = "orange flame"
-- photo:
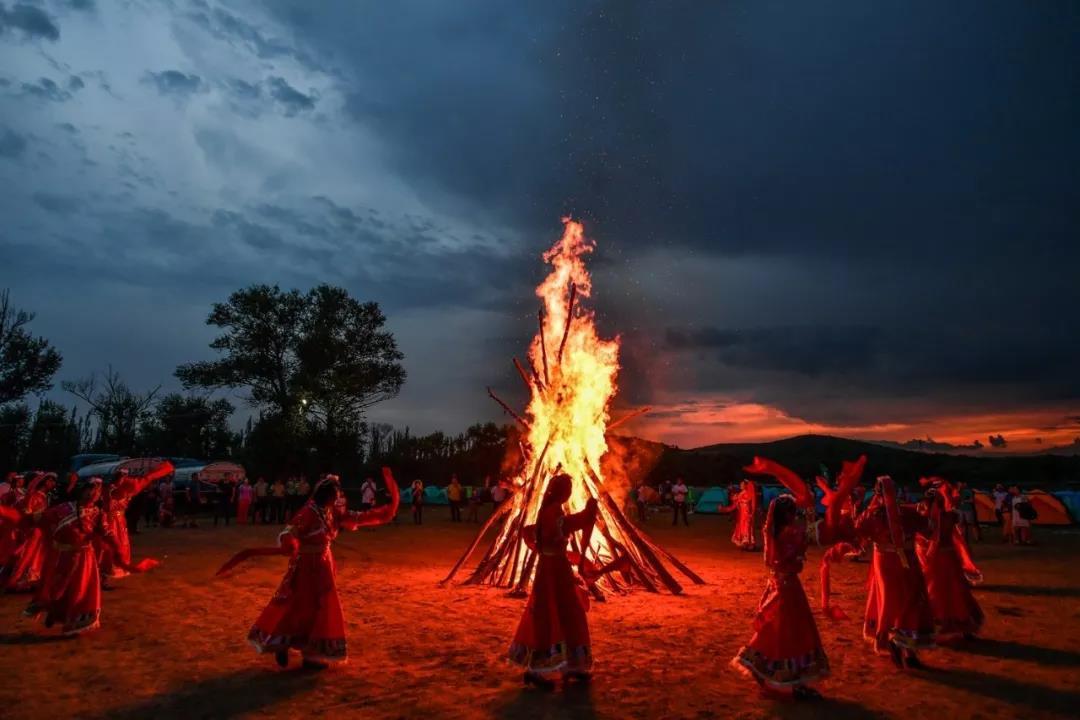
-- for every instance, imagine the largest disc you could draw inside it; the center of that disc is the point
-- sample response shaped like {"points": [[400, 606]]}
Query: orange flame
{"points": [[575, 372]]}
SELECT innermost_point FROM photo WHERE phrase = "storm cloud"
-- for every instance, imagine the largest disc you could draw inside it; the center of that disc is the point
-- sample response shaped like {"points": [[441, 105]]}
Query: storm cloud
{"points": [[853, 213]]}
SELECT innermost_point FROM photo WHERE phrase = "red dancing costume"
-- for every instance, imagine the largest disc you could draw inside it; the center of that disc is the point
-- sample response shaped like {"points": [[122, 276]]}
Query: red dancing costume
{"points": [[956, 612], [785, 651], [23, 569], [305, 612], [898, 617], [70, 590], [117, 499], [553, 634], [744, 505]]}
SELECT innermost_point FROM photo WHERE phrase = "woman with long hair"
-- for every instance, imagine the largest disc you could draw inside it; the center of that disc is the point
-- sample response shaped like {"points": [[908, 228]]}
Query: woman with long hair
{"points": [[955, 611], [305, 611], [744, 505], [898, 618], [552, 637], [785, 652]]}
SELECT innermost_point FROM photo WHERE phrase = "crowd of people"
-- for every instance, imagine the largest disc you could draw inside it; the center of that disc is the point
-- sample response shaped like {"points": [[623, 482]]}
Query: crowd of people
{"points": [[62, 542]]}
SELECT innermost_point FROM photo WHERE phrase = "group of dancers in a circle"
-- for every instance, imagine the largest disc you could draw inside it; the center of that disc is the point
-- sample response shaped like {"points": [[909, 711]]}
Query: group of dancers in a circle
{"points": [[919, 592]]}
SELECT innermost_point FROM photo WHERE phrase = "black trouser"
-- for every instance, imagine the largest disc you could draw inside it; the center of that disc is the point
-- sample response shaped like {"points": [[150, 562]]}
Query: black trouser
{"points": [[642, 510], [418, 514], [223, 509], [455, 511], [151, 515], [680, 507], [261, 509], [277, 510]]}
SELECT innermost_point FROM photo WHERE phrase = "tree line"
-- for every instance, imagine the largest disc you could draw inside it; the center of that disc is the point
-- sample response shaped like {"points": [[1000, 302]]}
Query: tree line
{"points": [[308, 366]]}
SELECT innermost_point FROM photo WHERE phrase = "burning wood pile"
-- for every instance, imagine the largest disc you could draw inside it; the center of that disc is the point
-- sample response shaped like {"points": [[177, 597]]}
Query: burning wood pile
{"points": [[570, 376]]}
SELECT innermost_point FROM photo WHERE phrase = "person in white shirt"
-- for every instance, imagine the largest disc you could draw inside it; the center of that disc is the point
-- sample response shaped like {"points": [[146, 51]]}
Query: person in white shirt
{"points": [[642, 499], [679, 491], [367, 494]]}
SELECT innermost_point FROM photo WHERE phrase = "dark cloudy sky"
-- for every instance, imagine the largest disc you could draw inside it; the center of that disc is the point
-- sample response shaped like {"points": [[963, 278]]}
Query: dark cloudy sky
{"points": [[853, 217]]}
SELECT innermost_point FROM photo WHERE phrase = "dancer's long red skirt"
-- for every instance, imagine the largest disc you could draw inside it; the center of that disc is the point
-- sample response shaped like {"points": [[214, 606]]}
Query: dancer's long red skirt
{"points": [[553, 634], [70, 591], [305, 612], [27, 563], [743, 535], [786, 649], [954, 608], [897, 606]]}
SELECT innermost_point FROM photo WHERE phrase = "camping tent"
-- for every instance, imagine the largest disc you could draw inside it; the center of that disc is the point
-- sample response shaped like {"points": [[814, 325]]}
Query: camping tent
{"points": [[1051, 510], [712, 499]]}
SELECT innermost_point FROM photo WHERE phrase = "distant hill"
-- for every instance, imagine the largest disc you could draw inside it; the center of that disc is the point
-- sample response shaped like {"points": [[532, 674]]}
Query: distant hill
{"points": [[722, 464]]}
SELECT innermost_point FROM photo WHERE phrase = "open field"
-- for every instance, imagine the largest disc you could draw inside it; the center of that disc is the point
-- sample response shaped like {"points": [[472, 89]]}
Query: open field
{"points": [[173, 644]]}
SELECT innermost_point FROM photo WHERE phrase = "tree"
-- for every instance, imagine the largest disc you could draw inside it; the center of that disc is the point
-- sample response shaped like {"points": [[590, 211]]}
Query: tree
{"points": [[14, 431], [27, 364], [322, 357], [54, 437], [190, 426], [118, 410]]}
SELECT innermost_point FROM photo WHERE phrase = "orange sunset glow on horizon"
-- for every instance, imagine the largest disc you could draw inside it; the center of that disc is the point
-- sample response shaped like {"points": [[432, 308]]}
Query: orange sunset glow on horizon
{"points": [[691, 423]]}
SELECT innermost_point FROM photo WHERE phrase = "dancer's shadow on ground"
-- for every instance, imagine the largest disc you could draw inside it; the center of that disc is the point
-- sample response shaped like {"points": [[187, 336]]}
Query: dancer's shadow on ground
{"points": [[1008, 650], [1026, 696], [33, 638], [573, 701], [827, 708], [224, 696], [1031, 590]]}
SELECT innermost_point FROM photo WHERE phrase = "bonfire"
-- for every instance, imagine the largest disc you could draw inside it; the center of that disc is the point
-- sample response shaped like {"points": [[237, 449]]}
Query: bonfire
{"points": [[571, 379]]}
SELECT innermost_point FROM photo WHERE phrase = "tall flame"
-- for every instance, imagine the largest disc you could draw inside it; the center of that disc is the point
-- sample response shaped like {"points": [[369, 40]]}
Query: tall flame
{"points": [[571, 382], [568, 411]]}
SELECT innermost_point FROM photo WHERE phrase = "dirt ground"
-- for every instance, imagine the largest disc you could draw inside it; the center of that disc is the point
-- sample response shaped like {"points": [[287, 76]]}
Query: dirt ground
{"points": [[173, 644]]}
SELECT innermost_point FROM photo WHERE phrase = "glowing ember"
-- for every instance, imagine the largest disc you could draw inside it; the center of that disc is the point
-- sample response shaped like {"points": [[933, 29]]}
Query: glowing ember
{"points": [[571, 381]]}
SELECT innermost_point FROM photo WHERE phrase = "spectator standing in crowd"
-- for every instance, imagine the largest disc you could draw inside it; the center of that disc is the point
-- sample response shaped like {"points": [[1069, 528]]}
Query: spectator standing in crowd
{"points": [[665, 492], [969, 522], [226, 496], [454, 495], [641, 497], [498, 495], [193, 499], [679, 491], [1007, 518], [1000, 495], [151, 503], [367, 494], [262, 500], [277, 502], [166, 502], [1023, 512], [418, 502], [245, 497], [291, 497], [303, 490], [477, 498], [6, 485]]}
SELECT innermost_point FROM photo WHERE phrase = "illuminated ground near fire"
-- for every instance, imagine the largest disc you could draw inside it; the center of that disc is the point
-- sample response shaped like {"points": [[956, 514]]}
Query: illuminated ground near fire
{"points": [[172, 643]]}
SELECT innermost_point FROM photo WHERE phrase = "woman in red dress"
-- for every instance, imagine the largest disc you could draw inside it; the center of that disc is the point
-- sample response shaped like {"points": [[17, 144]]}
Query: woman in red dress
{"points": [[305, 612], [116, 500], [23, 570], [744, 505], [956, 612], [70, 590], [898, 617], [785, 652], [553, 634]]}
